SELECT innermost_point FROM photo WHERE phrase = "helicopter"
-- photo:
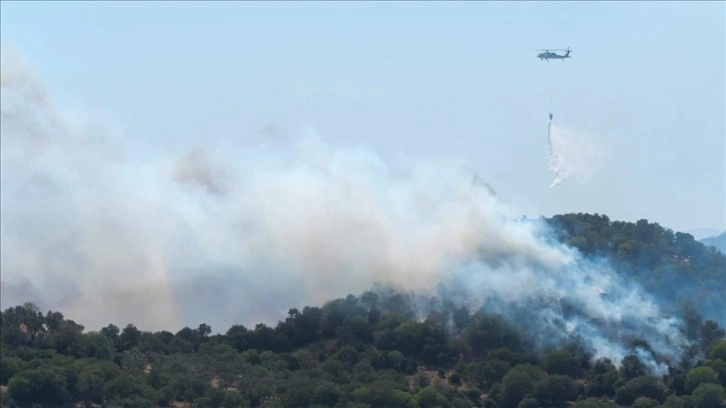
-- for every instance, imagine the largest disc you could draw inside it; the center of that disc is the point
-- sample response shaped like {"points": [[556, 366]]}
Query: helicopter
{"points": [[548, 55]]}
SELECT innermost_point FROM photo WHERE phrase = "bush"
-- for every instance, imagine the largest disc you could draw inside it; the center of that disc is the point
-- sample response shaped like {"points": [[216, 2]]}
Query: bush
{"points": [[645, 402], [642, 386], [708, 396], [556, 390], [700, 375]]}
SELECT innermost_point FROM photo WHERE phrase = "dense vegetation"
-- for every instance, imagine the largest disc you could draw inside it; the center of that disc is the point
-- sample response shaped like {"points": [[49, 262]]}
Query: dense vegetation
{"points": [[718, 242], [370, 351], [673, 266]]}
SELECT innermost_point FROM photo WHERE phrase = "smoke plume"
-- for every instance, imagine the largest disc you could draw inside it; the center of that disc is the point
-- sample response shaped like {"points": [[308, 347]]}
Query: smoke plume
{"points": [[106, 232]]}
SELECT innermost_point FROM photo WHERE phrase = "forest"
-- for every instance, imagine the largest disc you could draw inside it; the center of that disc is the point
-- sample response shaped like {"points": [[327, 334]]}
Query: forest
{"points": [[376, 349]]}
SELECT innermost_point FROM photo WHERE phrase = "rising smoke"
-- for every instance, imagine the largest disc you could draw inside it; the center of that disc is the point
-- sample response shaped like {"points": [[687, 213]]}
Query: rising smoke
{"points": [[239, 234]]}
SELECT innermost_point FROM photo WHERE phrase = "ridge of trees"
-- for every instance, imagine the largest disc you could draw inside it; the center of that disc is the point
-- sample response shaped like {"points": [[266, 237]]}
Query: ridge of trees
{"points": [[356, 351], [372, 350], [639, 247], [673, 266]]}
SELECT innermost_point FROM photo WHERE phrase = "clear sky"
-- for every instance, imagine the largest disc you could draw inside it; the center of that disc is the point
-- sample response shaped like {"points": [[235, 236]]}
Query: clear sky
{"points": [[645, 86]]}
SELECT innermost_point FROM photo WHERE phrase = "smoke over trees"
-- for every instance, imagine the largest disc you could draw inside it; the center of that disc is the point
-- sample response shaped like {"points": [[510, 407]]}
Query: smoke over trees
{"points": [[366, 350], [386, 347], [463, 299]]}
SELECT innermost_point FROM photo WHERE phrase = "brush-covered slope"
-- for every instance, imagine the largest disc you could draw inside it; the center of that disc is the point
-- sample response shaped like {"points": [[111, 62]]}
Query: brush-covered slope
{"points": [[673, 266], [392, 348]]}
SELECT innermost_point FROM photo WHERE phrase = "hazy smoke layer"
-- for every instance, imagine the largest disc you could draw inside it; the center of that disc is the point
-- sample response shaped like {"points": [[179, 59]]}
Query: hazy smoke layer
{"points": [[570, 154], [229, 234]]}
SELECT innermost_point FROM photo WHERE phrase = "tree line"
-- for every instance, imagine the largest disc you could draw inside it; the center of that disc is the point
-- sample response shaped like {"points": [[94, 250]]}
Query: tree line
{"points": [[374, 350], [352, 352]]}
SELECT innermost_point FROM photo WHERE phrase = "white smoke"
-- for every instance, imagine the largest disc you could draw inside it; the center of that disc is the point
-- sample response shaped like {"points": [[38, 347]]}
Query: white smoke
{"points": [[90, 224], [238, 234], [571, 154], [603, 308]]}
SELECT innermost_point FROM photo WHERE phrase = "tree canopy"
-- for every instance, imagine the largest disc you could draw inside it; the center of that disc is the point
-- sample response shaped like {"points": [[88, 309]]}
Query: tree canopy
{"points": [[377, 350]]}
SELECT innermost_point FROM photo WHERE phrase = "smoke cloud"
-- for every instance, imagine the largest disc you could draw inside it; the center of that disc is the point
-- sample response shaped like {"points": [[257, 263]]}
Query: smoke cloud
{"points": [[105, 231]]}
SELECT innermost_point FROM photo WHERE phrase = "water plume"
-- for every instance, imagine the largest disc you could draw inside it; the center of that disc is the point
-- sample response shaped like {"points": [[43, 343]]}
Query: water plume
{"points": [[570, 154]]}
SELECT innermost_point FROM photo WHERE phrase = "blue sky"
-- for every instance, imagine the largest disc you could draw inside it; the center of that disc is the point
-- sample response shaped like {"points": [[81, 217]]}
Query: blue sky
{"points": [[460, 80]]}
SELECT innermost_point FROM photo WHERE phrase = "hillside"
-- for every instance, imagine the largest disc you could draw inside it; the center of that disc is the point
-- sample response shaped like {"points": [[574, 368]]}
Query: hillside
{"points": [[718, 242], [673, 266], [389, 348]]}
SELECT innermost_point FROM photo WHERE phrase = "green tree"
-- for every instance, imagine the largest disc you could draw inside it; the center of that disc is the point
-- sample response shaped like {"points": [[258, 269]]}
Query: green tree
{"points": [[455, 379], [91, 381], [642, 386], [700, 375], [361, 328], [53, 321], [719, 366], [708, 396], [112, 332], [130, 337], [42, 386], [299, 396], [514, 387], [395, 359], [490, 372], [555, 390], [519, 382], [711, 333], [674, 401], [9, 366], [401, 399], [528, 402], [718, 351], [327, 393], [127, 386], [203, 331], [238, 337], [631, 367], [562, 362], [489, 333], [96, 345], [602, 378], [593, 403], [233, 399], [21, 325], [429, 397], [645, 402]]}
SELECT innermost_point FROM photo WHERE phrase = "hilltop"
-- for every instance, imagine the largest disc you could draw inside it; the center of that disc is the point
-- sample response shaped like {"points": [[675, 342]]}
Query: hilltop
{"points": [[718, 242], [671, 265]]}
